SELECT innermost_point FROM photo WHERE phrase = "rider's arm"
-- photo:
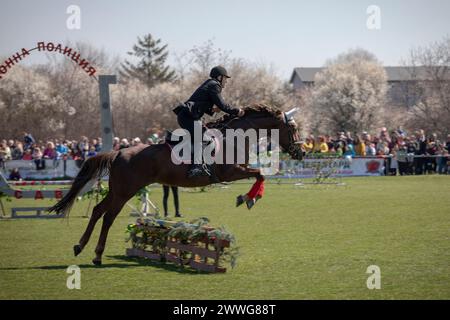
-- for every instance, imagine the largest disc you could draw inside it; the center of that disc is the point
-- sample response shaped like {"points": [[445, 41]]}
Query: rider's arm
{"points": [[216, 97]]}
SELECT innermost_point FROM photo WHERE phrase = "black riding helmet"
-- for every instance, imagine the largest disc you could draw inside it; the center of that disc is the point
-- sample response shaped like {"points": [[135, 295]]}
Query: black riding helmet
{"points": [[218, 71]]}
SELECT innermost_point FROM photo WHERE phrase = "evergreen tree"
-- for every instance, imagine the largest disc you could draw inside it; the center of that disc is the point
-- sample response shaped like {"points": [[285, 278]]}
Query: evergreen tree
{"points": [[150, 69]]}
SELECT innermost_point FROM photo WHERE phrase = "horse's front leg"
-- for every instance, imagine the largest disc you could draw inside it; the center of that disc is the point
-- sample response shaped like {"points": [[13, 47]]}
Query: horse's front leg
{"points": [[257, 190]]}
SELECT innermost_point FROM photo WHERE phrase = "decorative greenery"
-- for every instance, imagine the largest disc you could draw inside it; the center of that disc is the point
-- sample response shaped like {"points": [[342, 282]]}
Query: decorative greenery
{"points": [[143, 191], [99, 191], [146, 233], [152, 234]]}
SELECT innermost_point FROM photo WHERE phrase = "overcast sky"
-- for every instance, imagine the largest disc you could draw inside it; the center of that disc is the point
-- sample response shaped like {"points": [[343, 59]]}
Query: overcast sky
{"points": [[286, 33]]}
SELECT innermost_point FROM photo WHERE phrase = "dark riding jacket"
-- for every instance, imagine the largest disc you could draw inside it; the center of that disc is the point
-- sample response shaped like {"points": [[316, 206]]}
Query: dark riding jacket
{"points": [[205, 97]]}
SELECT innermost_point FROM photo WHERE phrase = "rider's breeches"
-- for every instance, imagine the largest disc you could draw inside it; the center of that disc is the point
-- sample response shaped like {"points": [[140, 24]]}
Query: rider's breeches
{"points": [[195, 129]]}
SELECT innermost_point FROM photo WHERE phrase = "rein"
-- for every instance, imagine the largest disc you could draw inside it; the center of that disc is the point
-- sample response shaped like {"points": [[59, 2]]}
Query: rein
{"points": [[294, 150]]}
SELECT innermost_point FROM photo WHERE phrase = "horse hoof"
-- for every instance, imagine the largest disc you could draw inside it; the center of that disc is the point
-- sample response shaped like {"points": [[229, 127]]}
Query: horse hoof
{"points": [[250, 203], [239, 200], [97, 262], [76, 249]]}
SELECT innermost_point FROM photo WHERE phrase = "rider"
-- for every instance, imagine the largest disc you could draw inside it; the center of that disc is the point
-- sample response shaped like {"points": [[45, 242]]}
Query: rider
{"points": [[206, 99]]}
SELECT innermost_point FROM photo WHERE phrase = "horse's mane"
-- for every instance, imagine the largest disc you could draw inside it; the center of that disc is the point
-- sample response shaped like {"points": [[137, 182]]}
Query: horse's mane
{"points": [[250, 111]]}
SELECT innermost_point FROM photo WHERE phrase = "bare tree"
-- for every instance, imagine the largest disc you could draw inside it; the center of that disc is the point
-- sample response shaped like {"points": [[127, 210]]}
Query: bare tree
{"points": [[430, 70], [206, 56]]}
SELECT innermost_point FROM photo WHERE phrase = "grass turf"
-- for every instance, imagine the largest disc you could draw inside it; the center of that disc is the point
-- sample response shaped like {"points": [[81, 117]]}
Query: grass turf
{"points": [[296, 243]]}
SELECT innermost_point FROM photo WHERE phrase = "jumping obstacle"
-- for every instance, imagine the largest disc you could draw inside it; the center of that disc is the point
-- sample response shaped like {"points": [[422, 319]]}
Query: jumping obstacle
{"points": [[39, 213], [7, 190], [148, 208], [167, 241], [40, 183]]}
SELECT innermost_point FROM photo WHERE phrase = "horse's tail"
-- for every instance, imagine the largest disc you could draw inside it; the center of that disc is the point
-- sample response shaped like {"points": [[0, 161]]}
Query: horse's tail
{"points": [[92, 168]]}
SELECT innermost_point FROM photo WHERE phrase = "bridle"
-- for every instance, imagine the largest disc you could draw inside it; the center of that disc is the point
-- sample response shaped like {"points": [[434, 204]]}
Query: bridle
{"points": [[294, 148]]}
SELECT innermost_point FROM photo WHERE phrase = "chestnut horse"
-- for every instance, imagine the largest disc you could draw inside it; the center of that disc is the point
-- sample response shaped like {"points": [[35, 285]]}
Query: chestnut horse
{"points": [[133, 168]]}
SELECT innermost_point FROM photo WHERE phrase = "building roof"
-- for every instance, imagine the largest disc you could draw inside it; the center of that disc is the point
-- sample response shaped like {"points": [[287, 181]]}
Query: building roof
{"points": [[305, 74], [393, 73]]}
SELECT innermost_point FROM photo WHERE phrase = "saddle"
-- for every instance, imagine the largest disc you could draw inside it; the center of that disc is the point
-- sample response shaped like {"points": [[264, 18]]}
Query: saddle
{"points": [[173, 139]]}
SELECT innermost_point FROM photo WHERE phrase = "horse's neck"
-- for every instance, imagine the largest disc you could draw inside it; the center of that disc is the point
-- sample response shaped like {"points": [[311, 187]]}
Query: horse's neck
{"points": [[246, 123]]}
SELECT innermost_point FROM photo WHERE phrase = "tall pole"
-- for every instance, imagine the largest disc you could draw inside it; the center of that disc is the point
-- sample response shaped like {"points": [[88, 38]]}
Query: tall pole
{"points": [[105, 108], [106, 118]]}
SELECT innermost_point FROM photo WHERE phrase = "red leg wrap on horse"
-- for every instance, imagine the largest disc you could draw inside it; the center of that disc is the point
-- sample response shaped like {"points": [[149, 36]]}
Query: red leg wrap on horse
{"points": [[257, 189], [261, 190]]}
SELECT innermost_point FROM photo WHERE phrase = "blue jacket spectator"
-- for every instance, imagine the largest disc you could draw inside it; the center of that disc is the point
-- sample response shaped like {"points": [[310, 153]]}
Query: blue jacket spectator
{"points": [[349, 150], [61, 150], [28, 140]]}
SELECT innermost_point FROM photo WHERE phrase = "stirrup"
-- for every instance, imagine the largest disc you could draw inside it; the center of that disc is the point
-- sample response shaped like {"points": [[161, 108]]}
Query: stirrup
{"points": [[206, 169], [199, 171]]}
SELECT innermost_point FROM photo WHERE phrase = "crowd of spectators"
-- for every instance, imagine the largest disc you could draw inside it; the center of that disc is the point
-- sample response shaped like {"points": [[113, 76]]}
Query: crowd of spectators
{"points": [[28, 148], [405, 153]]}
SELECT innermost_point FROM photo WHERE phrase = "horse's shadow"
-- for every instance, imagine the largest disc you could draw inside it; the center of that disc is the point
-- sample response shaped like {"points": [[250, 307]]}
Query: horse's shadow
{"points": [[128, 262]]}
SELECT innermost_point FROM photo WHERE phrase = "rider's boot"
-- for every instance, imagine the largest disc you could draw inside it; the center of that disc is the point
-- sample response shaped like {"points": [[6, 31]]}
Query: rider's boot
{"points": [[198, 169]]}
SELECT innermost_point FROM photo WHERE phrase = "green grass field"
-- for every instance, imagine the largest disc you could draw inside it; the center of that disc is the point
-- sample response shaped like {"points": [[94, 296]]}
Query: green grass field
{"points": [[296, 243]]}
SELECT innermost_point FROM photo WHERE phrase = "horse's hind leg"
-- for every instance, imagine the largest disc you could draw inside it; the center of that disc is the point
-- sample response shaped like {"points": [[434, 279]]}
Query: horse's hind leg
{"points": [[108, 220], [97, 212]]}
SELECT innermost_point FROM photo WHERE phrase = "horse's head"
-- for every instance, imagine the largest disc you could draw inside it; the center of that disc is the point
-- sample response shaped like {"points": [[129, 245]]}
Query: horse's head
{"points": [[260, 116], [289, 137]]}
